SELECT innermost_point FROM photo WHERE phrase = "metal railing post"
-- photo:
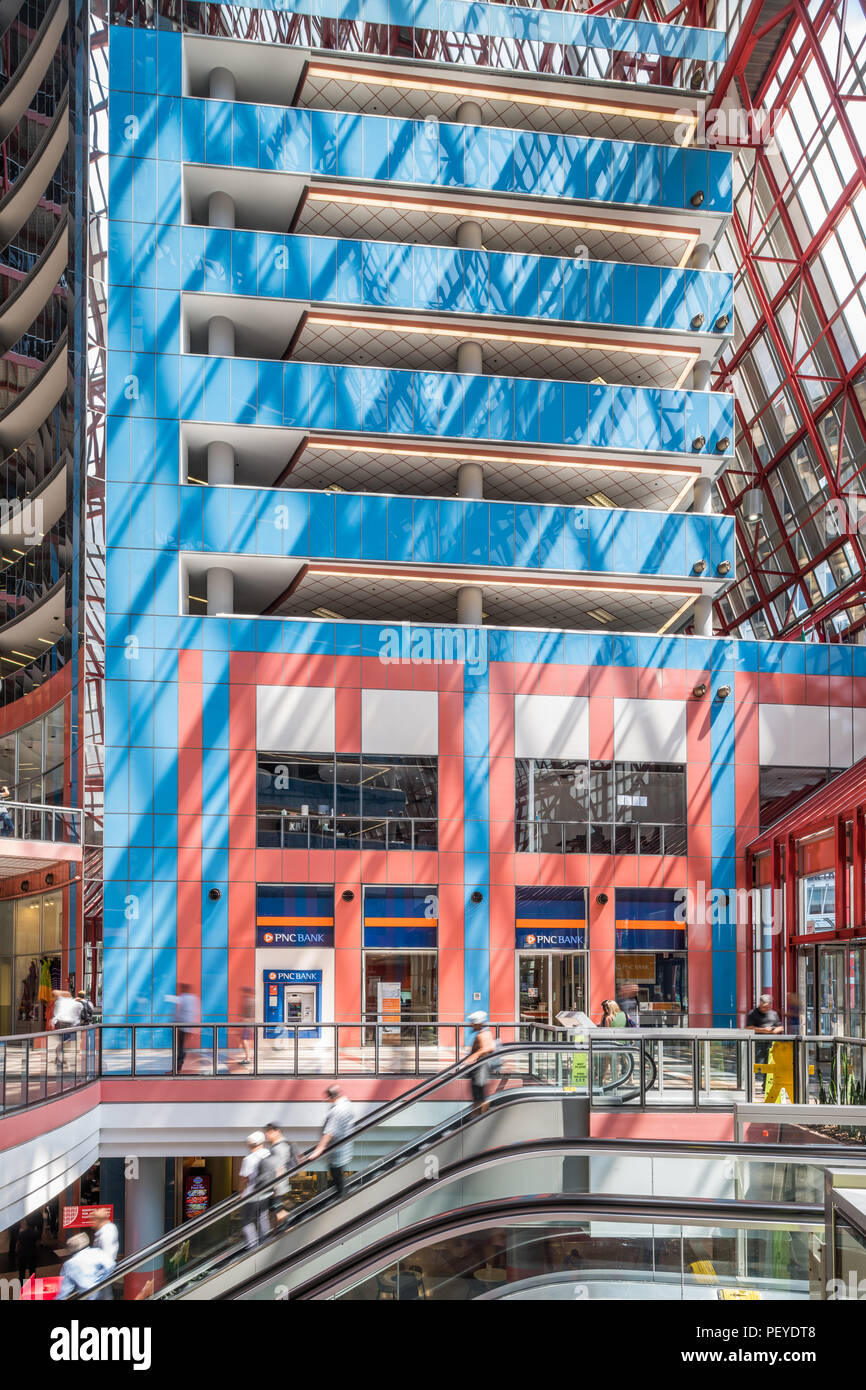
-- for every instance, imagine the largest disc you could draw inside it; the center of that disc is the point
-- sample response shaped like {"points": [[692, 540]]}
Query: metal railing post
{"points": [[417, 1027], [750, 1072], [696, 1077], [255, 1049], [215, 1050], [642, 1046], [296, 1049], [376, 1048]]}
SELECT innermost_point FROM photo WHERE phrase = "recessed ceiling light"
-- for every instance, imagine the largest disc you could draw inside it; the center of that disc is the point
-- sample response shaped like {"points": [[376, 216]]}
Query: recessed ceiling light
{"points": [[325, 613], [600, 615], [599, 499]]}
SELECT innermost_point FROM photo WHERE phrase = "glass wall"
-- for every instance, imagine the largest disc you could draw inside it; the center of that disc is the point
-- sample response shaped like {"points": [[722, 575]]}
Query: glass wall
{"points": [[31, 932], [31, 759], [564, 807], [347, 801], [816, 884], [651, 957]]}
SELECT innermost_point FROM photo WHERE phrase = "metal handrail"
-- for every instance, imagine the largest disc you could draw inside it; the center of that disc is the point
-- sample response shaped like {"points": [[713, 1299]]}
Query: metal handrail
{"points": [[31, 820]]}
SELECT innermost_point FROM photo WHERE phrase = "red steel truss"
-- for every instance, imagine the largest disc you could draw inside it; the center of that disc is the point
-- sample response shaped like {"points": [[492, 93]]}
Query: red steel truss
{"points": [[801, 566]]}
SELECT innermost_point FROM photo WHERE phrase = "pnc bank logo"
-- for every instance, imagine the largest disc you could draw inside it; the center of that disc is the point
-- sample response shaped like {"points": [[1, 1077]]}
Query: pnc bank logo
{"points": [[268, 938], [531, 940]]}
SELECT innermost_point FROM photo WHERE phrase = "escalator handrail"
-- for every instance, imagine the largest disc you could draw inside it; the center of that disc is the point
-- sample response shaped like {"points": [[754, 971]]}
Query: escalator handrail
{"points": [[526, 1149], [238, 1199], [508, 1210]]}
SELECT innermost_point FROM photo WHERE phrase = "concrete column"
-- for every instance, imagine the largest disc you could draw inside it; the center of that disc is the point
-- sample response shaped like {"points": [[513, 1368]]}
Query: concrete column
{"points": [[221, 85], [221, 337], [221, 210], [469, 603], [702, 494], [704, 616], [144, 1201], [220, 462], [700, 257], [470, 358], [469, 236], [701, 375], [469, 112], [220, 591], [470, 480]]}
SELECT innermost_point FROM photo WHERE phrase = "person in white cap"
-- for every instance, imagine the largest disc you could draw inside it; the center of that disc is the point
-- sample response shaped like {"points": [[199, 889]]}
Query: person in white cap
{"points": [[479, 1056], [257, 1222], [84, 1268]]}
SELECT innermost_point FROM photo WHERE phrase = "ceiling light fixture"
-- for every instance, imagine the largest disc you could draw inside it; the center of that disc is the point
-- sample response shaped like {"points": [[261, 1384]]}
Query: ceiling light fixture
{"points": [[687, 471]]}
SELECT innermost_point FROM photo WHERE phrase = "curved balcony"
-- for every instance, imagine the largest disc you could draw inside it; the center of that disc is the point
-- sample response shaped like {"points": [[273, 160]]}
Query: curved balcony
{"points": [[22, 306], [18, 677], [28, 583], [31, 183], [20, 419], [20, 90]]}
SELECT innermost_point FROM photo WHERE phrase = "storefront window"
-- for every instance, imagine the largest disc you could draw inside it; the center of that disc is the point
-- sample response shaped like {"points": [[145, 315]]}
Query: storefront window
{"points": [[347, 800], [762, 926], [816, 884], [565, 807], [28, 753], [31, 931], [651, 968], [401, 978]]}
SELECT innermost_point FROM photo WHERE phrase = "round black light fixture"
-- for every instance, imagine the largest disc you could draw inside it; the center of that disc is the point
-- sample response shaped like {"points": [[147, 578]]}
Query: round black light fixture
{"points": [[722, 322], [724, 567], [696, 81], [722, 444], [602, 899], [477, 897], [347, 895], [49, 879], [699, 566], [723, 692], [697, 198], [25, 884], [699, 691], [698, 444], [214, 895], [697, 321]]}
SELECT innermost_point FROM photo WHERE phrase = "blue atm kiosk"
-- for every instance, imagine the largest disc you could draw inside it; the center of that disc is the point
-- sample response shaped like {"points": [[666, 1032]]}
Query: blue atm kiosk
{"points": [[294, 997]]}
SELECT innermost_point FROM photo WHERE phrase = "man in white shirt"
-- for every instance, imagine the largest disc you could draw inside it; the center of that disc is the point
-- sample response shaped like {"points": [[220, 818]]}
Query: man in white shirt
{"points": [[339, 1122], [187, 1013], [257, 1223], [85, 1267]]}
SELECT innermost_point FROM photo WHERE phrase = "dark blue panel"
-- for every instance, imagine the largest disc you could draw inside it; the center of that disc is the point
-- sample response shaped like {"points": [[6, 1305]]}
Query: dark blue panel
{"points": [[574, 168], [550, 409], [622, 172], [671, 175], [647, 296], [623, 283], [452, 139], [401, 419], [500, 398], [575, 412], [695, 174], [598, 183], [476, 533]]}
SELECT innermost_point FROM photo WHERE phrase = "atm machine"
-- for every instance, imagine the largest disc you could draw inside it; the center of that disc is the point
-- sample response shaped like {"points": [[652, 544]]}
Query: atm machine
{"points": [[293, 997]]}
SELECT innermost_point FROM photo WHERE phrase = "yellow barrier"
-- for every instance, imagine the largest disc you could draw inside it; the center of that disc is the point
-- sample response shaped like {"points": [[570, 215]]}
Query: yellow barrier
{"points": [[779, 1071]]}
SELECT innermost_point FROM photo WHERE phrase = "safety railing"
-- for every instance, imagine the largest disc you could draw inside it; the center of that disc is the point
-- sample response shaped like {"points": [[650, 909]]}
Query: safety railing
{"points": [[642, 1068], [291, 830], [27, 820]]}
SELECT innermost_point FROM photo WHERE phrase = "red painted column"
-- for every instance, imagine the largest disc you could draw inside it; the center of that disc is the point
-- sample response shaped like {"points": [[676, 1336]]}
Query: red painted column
{"points": [[451, 887], [700, 860], [601, 918], [189, 803], [502, 916]]}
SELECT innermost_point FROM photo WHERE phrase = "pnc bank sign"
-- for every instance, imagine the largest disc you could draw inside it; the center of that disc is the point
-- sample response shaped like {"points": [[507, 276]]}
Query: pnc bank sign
{"points": [[294, 936]]}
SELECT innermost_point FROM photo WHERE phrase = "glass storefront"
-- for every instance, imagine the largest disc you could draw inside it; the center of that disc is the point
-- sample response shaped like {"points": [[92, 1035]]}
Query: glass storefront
{"points": [[31, 933], [550, 983], [31, 760], [401, 966], [651, 966], [830, 985]]}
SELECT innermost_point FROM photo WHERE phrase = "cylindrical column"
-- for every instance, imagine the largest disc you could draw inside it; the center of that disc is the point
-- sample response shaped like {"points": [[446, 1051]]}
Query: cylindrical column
{"points": [[221, 85], [469, 112], [221, 337], [220, 591], [220, 463], [701, 375], [700, 257], [144, 1219], [470, 358], [221, 210], [470, 480], [469, 236], [469, 603], [702, 494], [704, 616]]}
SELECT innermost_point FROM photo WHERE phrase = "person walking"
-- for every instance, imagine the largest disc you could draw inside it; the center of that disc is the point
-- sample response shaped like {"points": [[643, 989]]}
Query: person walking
{"points": [[480, 1056], [187, 1013], [339, 1123], [6, 826], [763, 1019], [281, 1156], [84, 1268], [248, 1018], [67, 1010], [107, 1241], [612, 1015], [27, 1247], [257, 1223]]}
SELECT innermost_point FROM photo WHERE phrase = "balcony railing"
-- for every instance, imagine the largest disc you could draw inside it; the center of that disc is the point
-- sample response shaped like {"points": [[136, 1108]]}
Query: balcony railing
{"points": [[286, 830], [580, 837], [693, 1068], [27, 820]]}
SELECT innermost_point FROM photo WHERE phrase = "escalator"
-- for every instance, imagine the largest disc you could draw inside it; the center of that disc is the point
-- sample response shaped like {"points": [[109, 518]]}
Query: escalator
{"points": [[426, 1157], [539, 1091]]}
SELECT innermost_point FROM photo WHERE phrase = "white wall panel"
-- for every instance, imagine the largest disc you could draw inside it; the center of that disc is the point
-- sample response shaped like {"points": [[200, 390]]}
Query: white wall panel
{"points": [[399, 721], [551, 726], [841, 737], [295, 719], [649, 731], [794, 736]]}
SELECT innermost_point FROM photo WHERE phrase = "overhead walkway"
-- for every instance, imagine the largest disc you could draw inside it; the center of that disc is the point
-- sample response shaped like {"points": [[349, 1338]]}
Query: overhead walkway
{"points": [[529, 1145]]}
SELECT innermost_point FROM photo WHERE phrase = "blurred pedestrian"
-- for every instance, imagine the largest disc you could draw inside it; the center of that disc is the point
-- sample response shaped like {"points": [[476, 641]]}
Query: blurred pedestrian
{"points": [[339, 1123]]}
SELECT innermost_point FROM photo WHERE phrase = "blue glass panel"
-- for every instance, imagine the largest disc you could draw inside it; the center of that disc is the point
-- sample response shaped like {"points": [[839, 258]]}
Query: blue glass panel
{"points": [[574, 168], [501, 156], [575, 538], [622, 172], [452, 140], [550, 169], [375, 400], [526, 161], [695, 174], [600, 282], [348, 523], [400, 535], [323, 394], [525, 288], [350, 145], [647, 180], [550, 412], [475, 289], [575, 412], [401, 282], [451, 532], [500, 407], [322, 523], [426, 276], [647, 296], [526, 536], [297, 148], [476, 533], [349, 272], [323, 269], [323, 141], [526, 410], [401, 156], [218, 133], [425, 516], [426, 145], [475, 412], [671, 176], [550, 541], [550, 287], [598, 182], [623, 288], [296, 394], [671, 406], [401, 419], [502, 534]]}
